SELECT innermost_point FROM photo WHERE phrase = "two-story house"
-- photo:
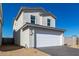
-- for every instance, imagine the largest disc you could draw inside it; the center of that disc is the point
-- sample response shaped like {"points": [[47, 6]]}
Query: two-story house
{"points": [[35, 27]]}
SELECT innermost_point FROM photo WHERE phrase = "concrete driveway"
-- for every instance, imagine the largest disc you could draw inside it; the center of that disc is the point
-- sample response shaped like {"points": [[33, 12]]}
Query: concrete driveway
{"points": [[60, 51]]}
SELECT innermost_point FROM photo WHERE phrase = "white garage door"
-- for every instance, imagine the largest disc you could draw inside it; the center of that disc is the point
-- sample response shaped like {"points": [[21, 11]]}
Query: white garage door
{"points": [[47, 38]]}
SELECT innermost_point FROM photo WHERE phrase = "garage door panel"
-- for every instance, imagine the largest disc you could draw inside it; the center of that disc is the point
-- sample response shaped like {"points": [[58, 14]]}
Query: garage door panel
{"points": [[46, 39]]}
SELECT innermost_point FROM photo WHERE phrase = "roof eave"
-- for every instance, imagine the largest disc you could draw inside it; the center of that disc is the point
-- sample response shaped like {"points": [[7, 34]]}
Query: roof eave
{"points": [[45, 27]]}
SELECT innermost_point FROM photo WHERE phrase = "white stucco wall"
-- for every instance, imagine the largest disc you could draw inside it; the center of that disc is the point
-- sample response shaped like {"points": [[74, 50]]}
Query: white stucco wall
{"points": [[62, 39], [24, 38], [32, 38], [19, 22]]}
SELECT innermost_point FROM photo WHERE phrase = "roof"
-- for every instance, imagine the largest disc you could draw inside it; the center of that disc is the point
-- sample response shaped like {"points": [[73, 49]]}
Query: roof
{"points": [[44, 27], [26, 9]]}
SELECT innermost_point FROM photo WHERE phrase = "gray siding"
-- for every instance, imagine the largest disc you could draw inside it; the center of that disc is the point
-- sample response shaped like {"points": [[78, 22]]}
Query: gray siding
{"points": [[17, 37]]}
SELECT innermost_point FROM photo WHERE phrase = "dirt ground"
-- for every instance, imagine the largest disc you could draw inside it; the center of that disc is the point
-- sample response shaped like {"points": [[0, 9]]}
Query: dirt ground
{"points": [[20, 51], [75, 46]]}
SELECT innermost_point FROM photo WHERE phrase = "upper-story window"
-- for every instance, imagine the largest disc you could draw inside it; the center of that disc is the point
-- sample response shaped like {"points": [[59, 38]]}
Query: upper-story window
{"points": [[48, 22], [32, 19]]}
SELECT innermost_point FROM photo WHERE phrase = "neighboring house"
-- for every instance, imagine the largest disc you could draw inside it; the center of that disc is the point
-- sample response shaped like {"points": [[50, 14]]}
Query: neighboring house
{"points": [[0, 24], [35, 27]]}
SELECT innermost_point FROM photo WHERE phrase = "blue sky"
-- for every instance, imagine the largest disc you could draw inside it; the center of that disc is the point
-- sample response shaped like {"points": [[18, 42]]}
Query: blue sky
{"points": [[67, 16]]}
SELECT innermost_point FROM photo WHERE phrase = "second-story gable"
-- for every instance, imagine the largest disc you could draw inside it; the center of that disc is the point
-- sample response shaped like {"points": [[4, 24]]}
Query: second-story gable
{"points": [[35, 16]]}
